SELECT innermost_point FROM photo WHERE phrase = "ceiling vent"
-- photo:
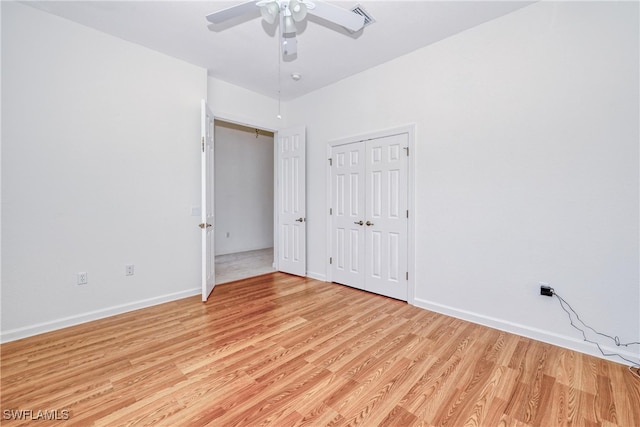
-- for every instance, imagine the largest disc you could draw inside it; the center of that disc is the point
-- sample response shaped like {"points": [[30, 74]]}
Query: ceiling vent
{"points": [[368, 19]]}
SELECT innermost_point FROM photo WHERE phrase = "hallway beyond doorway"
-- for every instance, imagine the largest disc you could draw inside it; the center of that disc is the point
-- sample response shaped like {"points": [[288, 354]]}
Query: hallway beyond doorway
{"points": [[242, 265]]}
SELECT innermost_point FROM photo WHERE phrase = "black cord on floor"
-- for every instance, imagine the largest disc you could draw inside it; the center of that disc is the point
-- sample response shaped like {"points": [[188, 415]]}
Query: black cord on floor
{"points": [[634, 369]]}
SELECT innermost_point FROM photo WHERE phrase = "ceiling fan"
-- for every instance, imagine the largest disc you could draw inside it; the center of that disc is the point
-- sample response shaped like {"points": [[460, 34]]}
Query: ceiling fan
{"points": [[290, 12]]}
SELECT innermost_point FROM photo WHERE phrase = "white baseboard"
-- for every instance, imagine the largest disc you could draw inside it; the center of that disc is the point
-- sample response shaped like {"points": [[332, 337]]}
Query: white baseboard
{"points": [[40, 328], [567, 342], [317, 276], [244, 249]]}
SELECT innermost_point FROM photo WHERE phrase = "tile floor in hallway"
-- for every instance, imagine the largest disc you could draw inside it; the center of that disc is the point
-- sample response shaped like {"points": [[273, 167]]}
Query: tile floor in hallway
{"points": [[242, 265]]}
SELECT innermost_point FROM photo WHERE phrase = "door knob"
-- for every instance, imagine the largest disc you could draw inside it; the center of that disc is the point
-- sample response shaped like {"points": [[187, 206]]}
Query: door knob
{"points": [[358, 222], [369, 223], [204, 225], [300, 220]]}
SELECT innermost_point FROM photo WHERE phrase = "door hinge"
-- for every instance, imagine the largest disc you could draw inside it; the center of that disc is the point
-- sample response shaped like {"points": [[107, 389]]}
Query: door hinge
{"points": [[407, 213], [203, 144], [330, 211], [330, 260], [330, 162], [407, 148], [407, 275]]}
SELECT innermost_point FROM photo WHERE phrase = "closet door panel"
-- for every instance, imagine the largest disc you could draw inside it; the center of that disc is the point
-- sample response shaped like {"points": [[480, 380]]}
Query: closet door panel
{"points": [[348, 216], [386, 232]]}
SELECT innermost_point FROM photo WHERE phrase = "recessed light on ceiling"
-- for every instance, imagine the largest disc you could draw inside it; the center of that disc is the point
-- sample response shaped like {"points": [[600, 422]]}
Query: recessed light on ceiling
{"points": [[296, 76]]}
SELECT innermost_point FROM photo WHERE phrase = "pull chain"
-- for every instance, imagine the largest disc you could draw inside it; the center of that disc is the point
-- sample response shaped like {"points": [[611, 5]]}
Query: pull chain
{"points": [[279, 116]]}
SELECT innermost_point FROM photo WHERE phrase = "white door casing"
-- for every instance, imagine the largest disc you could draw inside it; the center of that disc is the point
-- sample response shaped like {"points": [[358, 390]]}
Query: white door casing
{"points": [[207, 201], [291, 201], [381, 258]]}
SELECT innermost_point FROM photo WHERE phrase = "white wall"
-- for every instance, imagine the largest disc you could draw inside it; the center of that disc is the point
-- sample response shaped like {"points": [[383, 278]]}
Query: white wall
{"points": [[526, 166], [100, 168], [526, 153], [235, 104], [244, 188], [1, 200]]}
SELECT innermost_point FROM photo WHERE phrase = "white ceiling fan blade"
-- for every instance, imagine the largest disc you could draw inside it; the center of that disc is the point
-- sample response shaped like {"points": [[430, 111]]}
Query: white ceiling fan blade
{"points": [[343, 17], [232, 12]]}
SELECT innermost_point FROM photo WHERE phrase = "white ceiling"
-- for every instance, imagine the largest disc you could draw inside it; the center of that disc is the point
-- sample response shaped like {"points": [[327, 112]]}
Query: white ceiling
{"points": [[245, 52]]}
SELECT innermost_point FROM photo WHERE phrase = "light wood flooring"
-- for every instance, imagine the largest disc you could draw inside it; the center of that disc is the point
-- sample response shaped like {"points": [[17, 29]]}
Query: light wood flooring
{"points": [[280, 350]]}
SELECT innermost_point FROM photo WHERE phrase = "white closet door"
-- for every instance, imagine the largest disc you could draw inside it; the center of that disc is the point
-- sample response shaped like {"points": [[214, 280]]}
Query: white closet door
{"points": [[348, 174], [369, 184], [386, 224]]}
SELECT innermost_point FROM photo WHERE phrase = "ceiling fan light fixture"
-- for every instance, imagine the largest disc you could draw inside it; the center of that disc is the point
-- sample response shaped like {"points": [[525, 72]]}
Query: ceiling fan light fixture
{"points": [[269, 11], [289, 46], [289, 25], [298, 10]]}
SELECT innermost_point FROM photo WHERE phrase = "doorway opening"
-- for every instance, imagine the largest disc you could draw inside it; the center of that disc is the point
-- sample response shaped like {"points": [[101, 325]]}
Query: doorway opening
{"points": [[244, 201]]}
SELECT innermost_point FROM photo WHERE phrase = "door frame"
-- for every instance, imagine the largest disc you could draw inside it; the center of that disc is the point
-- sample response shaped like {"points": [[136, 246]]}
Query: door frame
{"points": [[251, 123], [410, 131]]}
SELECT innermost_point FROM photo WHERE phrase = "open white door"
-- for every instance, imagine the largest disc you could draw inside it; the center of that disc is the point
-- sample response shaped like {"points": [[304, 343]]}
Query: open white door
{"points": [[208, 243], [291, 193]]}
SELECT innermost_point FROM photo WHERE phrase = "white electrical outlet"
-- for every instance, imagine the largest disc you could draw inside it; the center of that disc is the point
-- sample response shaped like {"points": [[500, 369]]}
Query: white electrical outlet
{"points": [[128, 270], [82, 278]]}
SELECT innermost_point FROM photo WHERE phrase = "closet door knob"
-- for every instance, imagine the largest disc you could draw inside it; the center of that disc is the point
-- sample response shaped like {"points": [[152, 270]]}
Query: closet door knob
{"points": [[358, 222], [369, 223], [300, 220]]}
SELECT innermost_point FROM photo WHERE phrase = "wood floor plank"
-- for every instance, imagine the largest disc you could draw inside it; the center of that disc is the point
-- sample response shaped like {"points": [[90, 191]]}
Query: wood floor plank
{"points": [[280, 350]]}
